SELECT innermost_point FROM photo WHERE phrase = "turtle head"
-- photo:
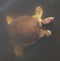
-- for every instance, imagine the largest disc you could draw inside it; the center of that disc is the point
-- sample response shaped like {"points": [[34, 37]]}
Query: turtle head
{"points": [[9, 19]]}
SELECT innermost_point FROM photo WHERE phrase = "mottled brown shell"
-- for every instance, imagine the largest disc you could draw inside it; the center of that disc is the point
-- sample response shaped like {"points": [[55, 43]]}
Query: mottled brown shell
{"points": [[24, 30]]}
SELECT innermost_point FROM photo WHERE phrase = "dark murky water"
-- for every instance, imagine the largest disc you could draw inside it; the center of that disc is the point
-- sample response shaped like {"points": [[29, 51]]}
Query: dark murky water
{"points": [[46, 49]]}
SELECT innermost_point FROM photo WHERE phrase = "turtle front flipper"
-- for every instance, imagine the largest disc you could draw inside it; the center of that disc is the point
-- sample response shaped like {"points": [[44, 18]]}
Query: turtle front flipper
{"points": [[38, 13], [45, 33], [18, 51]]}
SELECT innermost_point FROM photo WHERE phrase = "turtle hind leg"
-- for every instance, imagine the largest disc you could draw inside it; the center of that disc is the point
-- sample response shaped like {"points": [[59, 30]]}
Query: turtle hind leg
{"points": [[18, 51]]}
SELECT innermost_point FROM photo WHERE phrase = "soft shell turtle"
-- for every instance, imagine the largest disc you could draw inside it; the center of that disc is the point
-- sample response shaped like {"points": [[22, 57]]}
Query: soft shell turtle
{"points": [[26, 30]]}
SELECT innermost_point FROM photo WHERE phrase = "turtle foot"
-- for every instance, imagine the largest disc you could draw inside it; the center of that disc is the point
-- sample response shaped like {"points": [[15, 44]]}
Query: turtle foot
{"points": [[45, 33], [18, 51]]}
